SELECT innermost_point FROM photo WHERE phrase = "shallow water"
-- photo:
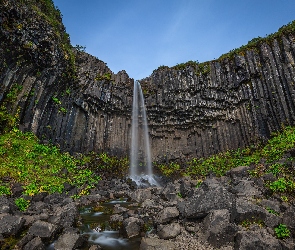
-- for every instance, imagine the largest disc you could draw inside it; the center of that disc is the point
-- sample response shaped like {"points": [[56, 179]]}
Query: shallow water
{"points": [[108, 239]]}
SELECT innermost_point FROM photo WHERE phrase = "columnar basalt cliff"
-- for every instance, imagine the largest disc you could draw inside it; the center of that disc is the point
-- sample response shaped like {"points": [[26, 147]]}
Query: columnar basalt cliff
{"points": [[71, 98]]}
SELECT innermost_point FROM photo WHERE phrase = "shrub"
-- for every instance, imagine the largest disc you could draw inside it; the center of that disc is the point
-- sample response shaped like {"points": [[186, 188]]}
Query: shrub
{"points": [[282, 231]]}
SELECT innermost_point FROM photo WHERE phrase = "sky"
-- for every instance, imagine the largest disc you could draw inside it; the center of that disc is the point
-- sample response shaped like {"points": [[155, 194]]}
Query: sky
{"points": [[140, 35]]}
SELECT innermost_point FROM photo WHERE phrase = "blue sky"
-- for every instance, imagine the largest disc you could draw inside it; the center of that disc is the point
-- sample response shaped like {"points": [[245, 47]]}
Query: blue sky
{"points": [[140, 35]]}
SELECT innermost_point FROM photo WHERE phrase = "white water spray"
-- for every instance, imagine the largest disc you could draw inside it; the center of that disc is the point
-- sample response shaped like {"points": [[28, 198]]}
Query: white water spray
{"points": [[137, 172]]}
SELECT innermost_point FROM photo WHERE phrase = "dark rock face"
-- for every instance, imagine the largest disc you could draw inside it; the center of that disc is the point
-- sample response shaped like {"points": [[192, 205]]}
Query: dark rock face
{"points": [[11, 225], [192, 112], [259, 239], [206, 199]]}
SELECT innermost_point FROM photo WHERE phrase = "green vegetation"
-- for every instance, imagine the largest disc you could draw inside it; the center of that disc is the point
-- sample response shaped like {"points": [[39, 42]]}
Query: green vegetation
{"points": [[272, 152], [247, 223], [22, 204], [255, 42], [271, 211], [282, 231], [106, 76], [40, 168]]}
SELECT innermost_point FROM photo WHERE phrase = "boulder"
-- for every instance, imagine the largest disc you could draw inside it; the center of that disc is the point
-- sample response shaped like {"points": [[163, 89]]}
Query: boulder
{"points": [[185, 188], [259, 239], [269, 204], [43, 229], [140, 195], [245, 188], [288, 218], [65, 216], [168, 231], [210, 196], [69, 241], [132, 227], [218, 230], [167, 215], [35, 244], [5, 205], [245, 210], [156, 244], [11, 225], [272, 220], [118, 209], [238, 172]]}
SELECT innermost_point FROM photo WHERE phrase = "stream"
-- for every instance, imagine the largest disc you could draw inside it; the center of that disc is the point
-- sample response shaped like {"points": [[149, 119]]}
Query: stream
{"points": [[95, 225]]}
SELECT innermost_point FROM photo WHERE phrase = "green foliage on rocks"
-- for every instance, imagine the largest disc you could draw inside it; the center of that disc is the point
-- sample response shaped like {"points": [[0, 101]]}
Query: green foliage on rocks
{"points": [[271, 154], [39, 167], [22, 204], [282, 231], [256, 42]]}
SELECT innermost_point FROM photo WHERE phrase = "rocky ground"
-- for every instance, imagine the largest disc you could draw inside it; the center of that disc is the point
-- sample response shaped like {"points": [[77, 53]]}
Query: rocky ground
{"points": [[232, 212]]}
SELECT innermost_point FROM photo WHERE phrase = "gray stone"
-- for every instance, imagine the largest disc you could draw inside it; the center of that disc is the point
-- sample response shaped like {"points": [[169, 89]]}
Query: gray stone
{"points": [[35, 244], [156, 244], [268, 204], [141, 195], [5, 205], [65, 216], [43, 229], [245, 210], [132, 227], [259, 239], [203, 202], [118, 209], [11, 225], [167, 215], [238, 172], [218, 230], [272, 220], [168, 231], [245, 188], [288, 218], [69, 241]]}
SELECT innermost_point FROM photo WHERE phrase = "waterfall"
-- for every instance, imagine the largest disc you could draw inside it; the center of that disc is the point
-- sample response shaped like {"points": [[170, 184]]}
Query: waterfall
{"points": [[140, 144]]}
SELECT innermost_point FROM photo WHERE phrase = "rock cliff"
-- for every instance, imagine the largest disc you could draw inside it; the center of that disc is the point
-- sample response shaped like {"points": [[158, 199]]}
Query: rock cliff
{"points": [[73, 99]]}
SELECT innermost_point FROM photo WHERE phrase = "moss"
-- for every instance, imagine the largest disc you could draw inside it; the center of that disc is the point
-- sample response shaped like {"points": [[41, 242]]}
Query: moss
{"points": [[256, 42]]}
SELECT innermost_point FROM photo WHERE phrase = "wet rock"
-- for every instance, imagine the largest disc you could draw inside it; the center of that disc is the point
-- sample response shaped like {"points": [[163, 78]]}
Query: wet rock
{"points": [[156, 244], [69, 241], [11, 225], [95, 247], [141, 195], [116, 218], [118, 209], [167, 215], [24, 241], [43, 229], [35, 244], [132, 227], [218, 230], [259, 239], [168, 231]]}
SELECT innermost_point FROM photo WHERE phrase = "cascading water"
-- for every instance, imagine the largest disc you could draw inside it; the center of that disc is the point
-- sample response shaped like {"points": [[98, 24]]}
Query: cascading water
{"points": [[138, 170]]}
